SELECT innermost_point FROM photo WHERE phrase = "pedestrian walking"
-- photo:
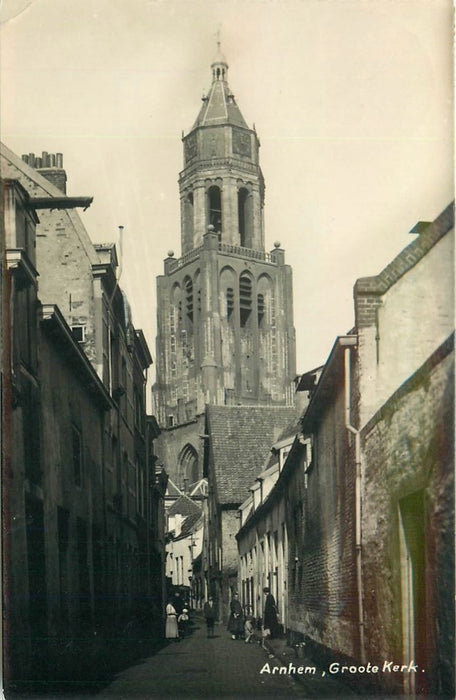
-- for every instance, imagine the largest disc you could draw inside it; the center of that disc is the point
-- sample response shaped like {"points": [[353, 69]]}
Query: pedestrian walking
{"points": [[235, 620], [270, 618], [210, 613], [171, 629]]}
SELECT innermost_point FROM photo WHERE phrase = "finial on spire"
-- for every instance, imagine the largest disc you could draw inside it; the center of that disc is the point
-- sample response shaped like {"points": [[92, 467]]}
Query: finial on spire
{"points": [[219, 65]]}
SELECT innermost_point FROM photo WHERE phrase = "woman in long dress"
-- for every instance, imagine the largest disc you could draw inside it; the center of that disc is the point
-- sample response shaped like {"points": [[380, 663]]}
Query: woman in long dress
{"points": [[171, 630]]}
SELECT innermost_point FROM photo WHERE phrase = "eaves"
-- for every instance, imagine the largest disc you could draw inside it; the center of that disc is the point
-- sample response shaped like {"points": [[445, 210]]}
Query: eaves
{"points": [[56, 328]]}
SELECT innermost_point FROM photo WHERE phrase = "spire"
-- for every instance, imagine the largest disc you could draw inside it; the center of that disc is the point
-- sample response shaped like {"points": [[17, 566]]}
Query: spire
{"points": [[219, 106], [219, 65]]}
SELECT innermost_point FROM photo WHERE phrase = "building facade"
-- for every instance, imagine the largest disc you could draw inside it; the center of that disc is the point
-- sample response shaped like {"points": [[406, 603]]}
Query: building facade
{"points": [[367, 490], [79, 474], [184, 545], [225, 320], [237, 447], [55, 407]]}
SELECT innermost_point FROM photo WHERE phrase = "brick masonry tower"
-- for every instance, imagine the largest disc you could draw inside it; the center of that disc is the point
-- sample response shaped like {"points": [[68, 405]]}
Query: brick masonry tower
{"points": [[225, 330]]}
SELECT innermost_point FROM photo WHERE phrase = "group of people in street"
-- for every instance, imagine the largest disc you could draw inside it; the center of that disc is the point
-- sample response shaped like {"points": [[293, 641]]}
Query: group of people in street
{"points": [[241, 623], [177, 618]]}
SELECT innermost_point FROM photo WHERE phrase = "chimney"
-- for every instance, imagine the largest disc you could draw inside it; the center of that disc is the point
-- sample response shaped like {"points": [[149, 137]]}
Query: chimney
{"points": [[50, 166]]}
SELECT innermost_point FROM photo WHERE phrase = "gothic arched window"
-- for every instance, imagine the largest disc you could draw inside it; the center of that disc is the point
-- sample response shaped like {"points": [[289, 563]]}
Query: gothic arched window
{"points": [[188, 465]]}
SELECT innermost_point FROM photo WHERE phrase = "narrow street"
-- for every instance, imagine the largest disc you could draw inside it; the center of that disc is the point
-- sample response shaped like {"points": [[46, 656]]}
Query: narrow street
{"points": [[196, 667]]}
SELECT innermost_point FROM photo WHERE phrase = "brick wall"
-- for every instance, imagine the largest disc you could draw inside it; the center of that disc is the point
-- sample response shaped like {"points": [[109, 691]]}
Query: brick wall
{"points": [[322, 583], [408, 448]]}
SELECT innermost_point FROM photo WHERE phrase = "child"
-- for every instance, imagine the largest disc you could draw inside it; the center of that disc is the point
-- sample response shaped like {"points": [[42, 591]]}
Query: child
{"points": [[183, 621], [249, 627]]}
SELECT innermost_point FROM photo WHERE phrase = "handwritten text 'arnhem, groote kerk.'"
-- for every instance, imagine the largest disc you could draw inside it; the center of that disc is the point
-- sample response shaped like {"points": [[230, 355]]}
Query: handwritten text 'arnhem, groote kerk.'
{"points": [[337, 668]]}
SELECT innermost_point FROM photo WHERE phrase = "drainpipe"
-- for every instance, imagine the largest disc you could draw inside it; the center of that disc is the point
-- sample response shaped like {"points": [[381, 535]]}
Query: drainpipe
{"points": [[358, 538]]}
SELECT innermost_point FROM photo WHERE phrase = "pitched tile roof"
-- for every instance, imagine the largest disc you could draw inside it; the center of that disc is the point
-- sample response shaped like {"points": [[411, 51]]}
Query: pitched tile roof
{"points": [[184, 506], [291, 429], [241, 438], [189, 523]]}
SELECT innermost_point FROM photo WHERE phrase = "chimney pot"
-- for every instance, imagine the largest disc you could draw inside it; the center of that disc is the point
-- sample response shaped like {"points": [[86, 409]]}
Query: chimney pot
{"points": [[59, 160]]}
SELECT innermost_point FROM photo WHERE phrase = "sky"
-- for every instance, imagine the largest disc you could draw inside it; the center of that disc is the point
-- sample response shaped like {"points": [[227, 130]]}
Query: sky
{"points": [[351, 99]]}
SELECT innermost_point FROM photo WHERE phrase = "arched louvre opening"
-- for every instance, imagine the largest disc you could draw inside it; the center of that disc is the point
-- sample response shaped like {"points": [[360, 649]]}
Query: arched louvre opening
{"points": [[188, 292], [245, 298], [229, 302], [264, 302], [261, 308], [215, 207]]}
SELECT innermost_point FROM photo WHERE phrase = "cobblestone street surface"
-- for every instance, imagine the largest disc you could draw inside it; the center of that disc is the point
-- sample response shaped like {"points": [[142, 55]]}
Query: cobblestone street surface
{"points": [[197, 667]]}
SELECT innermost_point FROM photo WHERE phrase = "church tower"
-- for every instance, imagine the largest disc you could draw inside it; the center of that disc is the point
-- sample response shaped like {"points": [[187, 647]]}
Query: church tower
{"points": [[225, 330]]}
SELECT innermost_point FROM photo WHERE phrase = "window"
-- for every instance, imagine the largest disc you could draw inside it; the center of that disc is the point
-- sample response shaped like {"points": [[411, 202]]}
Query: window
{"points": [[170, 421], [244, 218], [31, 432], [215, 207], [138, 403], [188, 464], [188, 290], [260, 306], [77, 455], [229, 302], [79, 333]]}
